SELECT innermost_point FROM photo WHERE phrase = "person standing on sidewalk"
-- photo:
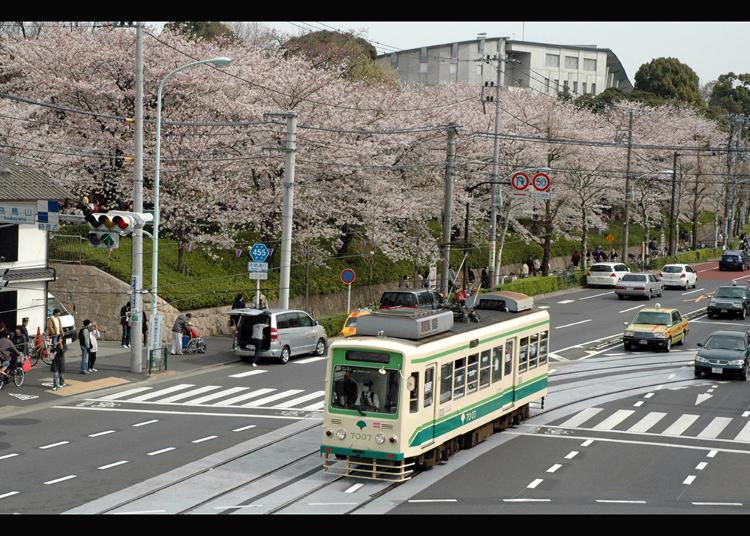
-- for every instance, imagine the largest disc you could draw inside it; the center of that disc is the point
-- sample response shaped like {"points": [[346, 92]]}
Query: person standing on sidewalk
{"points": [[94, 336], [25, 332], [179, 327], [84, 338], [58, 366], [125, 323], [54, 328]]}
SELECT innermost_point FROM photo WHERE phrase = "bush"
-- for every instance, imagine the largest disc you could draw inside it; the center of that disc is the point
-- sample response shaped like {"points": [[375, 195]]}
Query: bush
{"points": [[332, 324], [686, 257], [531, 286]]}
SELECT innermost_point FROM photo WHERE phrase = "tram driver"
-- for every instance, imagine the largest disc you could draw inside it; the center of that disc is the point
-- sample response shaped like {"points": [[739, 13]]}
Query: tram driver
{"points": [[368, 399]]}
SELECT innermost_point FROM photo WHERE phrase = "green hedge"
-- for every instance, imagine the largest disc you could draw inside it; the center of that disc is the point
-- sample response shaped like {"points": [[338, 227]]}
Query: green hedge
{"points": [[685, 257], [531, 286], [332, 323]]}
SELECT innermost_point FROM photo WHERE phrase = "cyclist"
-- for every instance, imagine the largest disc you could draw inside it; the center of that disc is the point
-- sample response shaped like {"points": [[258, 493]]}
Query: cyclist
{"points": [[8, 353]]}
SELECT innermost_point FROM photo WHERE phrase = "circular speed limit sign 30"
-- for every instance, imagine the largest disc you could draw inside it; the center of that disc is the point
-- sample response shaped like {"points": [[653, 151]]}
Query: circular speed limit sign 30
{"points": [[541, 182], [519, 181]]}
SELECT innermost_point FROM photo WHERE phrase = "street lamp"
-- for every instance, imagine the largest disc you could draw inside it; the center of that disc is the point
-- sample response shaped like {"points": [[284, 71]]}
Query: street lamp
{"points": [[217, 62]]}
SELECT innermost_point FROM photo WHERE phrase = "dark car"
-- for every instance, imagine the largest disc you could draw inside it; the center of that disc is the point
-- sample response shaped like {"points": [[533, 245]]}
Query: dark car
{"points": [[729, 301], [417, 298], [731, 259], [725, 353]]}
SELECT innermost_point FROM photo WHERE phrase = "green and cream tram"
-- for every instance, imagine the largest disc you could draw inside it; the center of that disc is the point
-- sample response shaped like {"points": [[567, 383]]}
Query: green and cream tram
{"points": [[413, 387]]}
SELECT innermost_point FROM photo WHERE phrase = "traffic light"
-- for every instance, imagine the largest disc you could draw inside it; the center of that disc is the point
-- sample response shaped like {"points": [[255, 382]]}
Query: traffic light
{"points": [[108, 227], [104, 239]]}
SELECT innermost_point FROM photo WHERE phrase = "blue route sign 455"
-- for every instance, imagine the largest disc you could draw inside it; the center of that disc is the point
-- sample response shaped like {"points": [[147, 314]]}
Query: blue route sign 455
{"points": [[259, 252]]}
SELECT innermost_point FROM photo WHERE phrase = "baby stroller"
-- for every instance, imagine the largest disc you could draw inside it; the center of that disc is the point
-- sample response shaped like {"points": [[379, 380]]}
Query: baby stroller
{"points": [[192, 343]]}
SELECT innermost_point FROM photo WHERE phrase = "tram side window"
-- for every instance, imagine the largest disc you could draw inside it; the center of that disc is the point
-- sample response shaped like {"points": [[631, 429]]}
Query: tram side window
{"points": [[484, 369], [414, 394], [497, 363], [429, 382], [508, 357], [523, 355], [459, 378], [533, 347], [472, 373], [543, 347], [446, 382]]}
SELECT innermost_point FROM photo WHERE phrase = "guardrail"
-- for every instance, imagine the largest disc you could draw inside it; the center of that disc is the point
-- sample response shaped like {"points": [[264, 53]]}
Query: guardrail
{"points": [[66, 248]]}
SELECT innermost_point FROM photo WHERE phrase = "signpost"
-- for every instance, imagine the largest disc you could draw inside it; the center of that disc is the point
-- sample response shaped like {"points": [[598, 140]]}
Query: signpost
{"points": [[520, 181], [348, 277], [541, 183], [258, 269], [610, 238]]}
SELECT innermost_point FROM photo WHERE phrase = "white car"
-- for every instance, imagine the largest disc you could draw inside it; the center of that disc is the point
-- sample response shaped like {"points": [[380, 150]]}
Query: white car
{"points": [[606, 274], [678, 275]]}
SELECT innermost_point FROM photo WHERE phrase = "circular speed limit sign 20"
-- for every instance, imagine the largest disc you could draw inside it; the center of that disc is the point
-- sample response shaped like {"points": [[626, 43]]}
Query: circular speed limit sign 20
{"points": [[519, 181], [541, 182]]}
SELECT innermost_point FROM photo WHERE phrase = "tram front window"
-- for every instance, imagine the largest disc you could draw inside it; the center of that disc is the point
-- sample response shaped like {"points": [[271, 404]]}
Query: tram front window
{"points": [[365, 389]]}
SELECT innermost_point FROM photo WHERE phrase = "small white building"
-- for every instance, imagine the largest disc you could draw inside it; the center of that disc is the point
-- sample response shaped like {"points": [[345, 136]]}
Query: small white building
{"points": [[24, 269]]}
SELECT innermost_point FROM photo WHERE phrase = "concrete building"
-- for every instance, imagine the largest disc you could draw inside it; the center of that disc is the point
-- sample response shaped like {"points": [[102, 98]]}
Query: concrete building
{"points": [[542, 67], [25, 196]]}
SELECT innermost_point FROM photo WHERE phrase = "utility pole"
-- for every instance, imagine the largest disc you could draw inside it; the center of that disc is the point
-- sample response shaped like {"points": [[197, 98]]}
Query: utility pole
{"points": [[626, 236], [672, 215], [136, 300], [727, 204], [496, 162], [288, 209], [466, 247], [448, 206]]}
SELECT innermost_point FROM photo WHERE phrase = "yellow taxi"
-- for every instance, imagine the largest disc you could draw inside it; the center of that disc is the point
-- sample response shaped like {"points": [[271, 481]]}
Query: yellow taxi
{"points": [[657, 326], [350, 325]]}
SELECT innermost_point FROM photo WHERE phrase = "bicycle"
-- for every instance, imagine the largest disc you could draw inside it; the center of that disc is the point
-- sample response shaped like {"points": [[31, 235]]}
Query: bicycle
{"points": [[40, 352], [17, 376]]}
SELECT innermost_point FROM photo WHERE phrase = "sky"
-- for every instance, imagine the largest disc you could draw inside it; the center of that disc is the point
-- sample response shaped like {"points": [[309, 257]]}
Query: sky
{"points": [[709, 48]]}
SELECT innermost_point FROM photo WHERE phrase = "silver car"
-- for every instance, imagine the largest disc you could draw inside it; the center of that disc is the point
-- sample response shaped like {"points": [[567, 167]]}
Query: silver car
{"points": [[288, 332], [639, 284]]}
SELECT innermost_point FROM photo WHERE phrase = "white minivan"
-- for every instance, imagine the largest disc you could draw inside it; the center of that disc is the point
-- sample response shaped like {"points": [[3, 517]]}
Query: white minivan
{"points": [[67, 320]]}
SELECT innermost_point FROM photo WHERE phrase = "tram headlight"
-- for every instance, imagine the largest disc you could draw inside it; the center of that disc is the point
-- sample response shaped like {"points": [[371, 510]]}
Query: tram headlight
{"points": [[341, 434], [379, 439], [329, 433], [393, 439]]}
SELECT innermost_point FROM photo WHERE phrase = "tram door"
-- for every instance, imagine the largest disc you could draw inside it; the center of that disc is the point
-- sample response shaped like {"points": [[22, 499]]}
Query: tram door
{"points": [[428, 398]]}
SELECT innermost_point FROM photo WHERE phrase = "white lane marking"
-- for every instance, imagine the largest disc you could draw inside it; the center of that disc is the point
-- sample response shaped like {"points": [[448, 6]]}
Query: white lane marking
{"points": [[680, 425], [354, 488], [709, 390], [189, 394], [706, 270], [244, 428], [715, 427], [142, 512], [689, 480], [351, 503], [160, 392], [193, 413], [647, 422], [10, 493], [220, 394], [113, 464], [295, 401], [272, 398], [555, 370], [526, 500], [565, 301], [744, 434], [745, 413], [631, 309], [712, 453], [714, 387], [542, 307], [671, 376], [125, 393], [692, 292], [580, 418], [144, 423], [701, 466], [613, 420], [702, 398], [713, 322], [587, 442], [309, 360], [716, 504], [238, 506], [252, 394], [102, 433], [638, 404], [535, 483], [6, 456], [738, 278], [648, 395], [573, 324], [619, 501], [615, 355], [160, 451], [572, 454], [202, 439], [597, 295], [554, 468], [54, 445], [248, 373], [553, 355], [317, 405], [59, 480]]}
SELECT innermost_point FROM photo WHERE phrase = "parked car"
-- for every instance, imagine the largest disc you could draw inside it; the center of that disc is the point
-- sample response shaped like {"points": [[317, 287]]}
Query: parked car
{"points": [[678, 275], [724, 352], [729, 300], [350, 324], [658, 327], [639, 284], [67, 321], [287, 333], [731, 259], [417, 298], [606, 274]]}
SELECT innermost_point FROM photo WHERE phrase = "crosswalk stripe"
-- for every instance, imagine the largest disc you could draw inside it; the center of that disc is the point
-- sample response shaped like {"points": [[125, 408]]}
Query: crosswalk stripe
{"points": [[272, 398], [680, 425], [125, 393], [715, 427], [295, 401], [248, 373], [252, 394], [220, 394], [160, 392], [317, 405], [613, 420], [647, 422], [581, 417], [744, 434], [189, 394]]}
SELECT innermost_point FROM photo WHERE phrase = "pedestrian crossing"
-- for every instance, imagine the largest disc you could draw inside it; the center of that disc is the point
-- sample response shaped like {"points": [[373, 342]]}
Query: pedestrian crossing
{"points": [[216, 396], [659, 423]]}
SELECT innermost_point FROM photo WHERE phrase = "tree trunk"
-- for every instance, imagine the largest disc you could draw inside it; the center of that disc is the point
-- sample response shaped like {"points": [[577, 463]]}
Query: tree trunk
{"points": [[585, 237], [181, 266], [548, 228]]}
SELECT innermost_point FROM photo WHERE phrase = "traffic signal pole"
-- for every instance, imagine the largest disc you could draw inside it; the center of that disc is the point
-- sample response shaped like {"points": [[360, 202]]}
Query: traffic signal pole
{"points": [[136, 300]]}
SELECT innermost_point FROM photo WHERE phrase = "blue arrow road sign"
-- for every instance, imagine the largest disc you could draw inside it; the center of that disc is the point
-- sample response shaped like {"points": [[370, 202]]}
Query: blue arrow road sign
{"points": [[259, 252]]}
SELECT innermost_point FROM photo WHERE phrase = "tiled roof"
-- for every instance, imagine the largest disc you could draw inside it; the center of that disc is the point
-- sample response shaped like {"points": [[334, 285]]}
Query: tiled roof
{"points": [[24, 183]]}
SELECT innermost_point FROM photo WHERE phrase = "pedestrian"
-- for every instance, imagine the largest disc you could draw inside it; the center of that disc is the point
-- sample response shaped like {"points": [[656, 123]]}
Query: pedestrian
{"points": [[537, 265], [179, 327], [451, 279], [144, 329], [613, 255], [239, 303], [125, 323], [84, 339], [18, 340], [472, 277], [426, 278], [485, 278], [260, 301], [94, 336], [256, 339], [58, 365], [575, 259], [419, 280], [524, 270], [54, 328], [25, 332], [404, 283]]}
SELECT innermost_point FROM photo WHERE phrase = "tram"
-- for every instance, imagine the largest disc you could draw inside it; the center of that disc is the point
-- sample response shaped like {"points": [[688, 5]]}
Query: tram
{"points": [[413, 386]]}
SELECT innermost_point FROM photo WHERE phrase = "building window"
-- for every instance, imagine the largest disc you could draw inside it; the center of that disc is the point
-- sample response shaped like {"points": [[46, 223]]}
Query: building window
{"points": [[552, 60], [459, 378], [589, 65], [9, 244], [583, 91], [575, 87], [593, 88], [571, 62]]}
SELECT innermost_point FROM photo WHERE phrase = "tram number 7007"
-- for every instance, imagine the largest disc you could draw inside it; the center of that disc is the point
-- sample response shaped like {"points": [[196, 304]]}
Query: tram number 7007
{"points": [[363, 437], [470, 415]]}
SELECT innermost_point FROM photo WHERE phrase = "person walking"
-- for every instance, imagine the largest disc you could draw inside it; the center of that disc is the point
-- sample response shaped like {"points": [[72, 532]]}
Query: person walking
{"points": [[179, 327], [261, 303], [239, 303], [537, 265], [94, 336], [58, 366], [144, 329], [54, 328], [419, 280], [485, 279], [257, 340], [404, 283], [25, 333], [84, 339], [125, 323], [575, 259], [524, 270]]}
